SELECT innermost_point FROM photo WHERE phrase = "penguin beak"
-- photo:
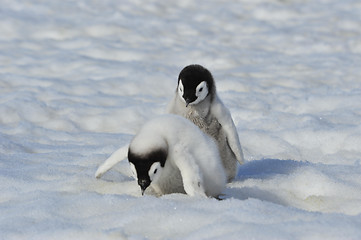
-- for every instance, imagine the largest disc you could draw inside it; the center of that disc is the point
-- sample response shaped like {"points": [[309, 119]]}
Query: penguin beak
{"points": [[188, 101], [143, 183], [189, 98]]}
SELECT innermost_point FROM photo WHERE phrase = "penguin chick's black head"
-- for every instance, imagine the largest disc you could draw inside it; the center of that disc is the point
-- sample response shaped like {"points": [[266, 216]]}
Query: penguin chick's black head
{"points": [[190, 81], [147, 166]]}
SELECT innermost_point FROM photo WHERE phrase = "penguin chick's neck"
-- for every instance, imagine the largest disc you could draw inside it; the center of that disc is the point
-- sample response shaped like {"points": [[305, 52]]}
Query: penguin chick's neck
{"points": [[200, 110]]}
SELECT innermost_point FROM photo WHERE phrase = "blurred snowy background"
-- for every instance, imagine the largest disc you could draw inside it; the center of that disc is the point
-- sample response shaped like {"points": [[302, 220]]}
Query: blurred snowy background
{"points": [[78, 78]]}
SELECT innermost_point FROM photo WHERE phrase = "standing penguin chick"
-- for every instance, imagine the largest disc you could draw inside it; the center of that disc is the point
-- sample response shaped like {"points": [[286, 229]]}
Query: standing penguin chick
{"points": [[171, 155], [196, 99]]}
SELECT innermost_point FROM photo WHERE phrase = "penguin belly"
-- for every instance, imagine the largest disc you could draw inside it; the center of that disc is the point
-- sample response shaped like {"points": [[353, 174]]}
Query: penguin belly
{"points": [[213, 128], [227, 156]]}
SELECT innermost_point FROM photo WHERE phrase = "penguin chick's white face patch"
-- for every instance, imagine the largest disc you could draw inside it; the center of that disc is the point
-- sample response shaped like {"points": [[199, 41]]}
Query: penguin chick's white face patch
{"points": [[134, 171], [181, 90], [201, 92], [155, 171]]}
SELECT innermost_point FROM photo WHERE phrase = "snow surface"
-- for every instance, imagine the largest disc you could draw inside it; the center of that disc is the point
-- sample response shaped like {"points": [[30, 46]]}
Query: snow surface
{"points": [[78, 78]]}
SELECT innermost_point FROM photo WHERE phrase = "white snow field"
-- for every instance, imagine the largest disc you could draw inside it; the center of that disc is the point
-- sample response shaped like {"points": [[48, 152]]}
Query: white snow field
{"points": [[78, 79]]}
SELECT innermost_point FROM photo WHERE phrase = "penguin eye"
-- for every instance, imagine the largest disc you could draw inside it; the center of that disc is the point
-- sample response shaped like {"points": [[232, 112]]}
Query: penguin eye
{"points": [[152, 173], [180, 86], [202, 90]]}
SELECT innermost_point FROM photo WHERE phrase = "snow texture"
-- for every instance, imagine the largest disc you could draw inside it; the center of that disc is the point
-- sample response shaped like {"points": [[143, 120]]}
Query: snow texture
{"points": [[78, 79]]}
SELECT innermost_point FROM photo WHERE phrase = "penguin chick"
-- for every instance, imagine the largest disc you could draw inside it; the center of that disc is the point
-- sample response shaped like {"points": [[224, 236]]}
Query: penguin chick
{"points": [[196, 99], [171, 155]]}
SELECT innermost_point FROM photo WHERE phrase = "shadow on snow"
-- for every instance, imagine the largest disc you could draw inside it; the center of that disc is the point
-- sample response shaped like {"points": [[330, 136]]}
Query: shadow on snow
{"points": [[261, 170]]}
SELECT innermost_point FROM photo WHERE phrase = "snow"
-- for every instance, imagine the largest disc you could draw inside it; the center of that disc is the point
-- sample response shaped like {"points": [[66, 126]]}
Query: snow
{"points": [[79, 78]]}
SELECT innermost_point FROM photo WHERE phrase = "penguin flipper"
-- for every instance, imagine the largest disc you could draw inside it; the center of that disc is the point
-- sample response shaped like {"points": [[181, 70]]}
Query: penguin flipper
{"points": [[225, 119], [191, 175], [118, 156]]}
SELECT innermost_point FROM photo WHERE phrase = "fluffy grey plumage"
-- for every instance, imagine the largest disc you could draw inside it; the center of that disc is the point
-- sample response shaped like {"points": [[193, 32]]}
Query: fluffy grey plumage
{"points": [[196, 99]]}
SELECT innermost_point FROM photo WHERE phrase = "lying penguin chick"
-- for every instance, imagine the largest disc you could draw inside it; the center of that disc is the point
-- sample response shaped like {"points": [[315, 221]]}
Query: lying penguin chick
{"points": [[196, 99], [171, 155]]}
